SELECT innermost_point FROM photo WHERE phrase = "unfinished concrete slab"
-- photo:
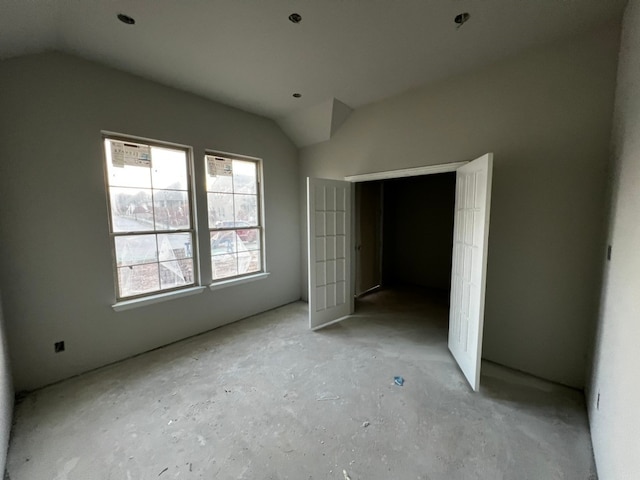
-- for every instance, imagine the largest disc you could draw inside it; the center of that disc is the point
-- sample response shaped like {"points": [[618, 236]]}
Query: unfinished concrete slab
{"points": [[265, 398]]}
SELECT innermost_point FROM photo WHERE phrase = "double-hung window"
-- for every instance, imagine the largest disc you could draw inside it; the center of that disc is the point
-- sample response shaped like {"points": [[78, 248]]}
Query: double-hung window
{"points": [[235, 221], [151, 216]]}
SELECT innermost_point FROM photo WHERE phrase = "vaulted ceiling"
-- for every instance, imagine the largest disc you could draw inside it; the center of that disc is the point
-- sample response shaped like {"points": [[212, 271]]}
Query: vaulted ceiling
{"points": [[248, 54]]}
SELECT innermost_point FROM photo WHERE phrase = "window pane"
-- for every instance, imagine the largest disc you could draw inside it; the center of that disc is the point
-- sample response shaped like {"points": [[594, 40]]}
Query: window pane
{"points": [[220, 210], [224, 266], [248, 239], [131, 209], [253, 263], [169, 168], [129, 176], [246, 210], [244, 177], [138, 279], [174, 246], [249, 262], [220, 183], [135, 249], [176, 273], [171, 209], [233, 204], [149, 190], [223, 242]]}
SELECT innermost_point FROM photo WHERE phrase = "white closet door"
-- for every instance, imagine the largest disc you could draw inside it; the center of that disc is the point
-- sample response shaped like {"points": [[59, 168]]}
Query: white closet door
{"points": [[469, 266], [329, 251]]}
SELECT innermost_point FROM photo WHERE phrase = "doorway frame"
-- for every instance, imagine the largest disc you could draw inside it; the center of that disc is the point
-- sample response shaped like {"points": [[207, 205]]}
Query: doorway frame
{"points": [[406, 172], [389, 174]]}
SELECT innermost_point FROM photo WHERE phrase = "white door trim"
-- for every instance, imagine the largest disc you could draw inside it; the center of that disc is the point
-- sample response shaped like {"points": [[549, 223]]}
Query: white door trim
{"points": [[406, 172]]}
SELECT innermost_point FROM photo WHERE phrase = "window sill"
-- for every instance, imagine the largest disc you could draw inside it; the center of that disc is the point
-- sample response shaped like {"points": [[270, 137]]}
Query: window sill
{"points": [[161, 297], [238, 281]]}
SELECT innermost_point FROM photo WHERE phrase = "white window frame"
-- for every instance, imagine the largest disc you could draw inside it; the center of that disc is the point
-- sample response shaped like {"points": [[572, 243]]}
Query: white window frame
{"points": [[131, 301], [262, 272]]}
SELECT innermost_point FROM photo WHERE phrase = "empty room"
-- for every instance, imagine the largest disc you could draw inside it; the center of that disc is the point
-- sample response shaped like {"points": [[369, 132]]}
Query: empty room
{"points": [[225, 251]]}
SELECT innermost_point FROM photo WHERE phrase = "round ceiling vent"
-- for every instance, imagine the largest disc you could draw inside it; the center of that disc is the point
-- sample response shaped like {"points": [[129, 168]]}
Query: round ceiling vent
{"points": [[461, 18], [126, 19]]}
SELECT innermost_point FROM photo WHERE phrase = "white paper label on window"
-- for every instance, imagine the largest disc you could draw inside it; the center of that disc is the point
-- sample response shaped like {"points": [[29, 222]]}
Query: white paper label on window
{"points": [[217, 166], [129, 154]]}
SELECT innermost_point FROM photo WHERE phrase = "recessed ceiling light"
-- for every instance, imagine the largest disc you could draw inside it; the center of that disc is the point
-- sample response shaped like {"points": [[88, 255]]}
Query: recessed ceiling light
{"points": [[126, 19], [295, 18], [297, 95], [461, 18]]}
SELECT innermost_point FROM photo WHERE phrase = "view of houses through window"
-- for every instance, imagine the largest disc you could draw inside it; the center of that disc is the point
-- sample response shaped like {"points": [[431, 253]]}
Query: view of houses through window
{"points": [[234, 216], [150, 217], [152, 222]]}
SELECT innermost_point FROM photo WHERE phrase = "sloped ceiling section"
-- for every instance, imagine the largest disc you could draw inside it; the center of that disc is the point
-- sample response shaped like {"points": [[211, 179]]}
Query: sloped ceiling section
{"points": [[315, 124]]}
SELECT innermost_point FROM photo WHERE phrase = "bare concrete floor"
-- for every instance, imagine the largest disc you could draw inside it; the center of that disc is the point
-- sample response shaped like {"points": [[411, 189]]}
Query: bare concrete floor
{"points": [[265, 398]]}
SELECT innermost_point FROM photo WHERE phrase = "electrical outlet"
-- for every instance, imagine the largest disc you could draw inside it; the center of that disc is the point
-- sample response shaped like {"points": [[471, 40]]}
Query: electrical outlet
{"points": [[58, 347], [609, 252], [598, 402]]}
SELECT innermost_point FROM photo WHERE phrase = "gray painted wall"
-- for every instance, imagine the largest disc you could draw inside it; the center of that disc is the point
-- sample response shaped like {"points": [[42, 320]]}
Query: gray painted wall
{"points": [[546, 115], [55, 270], [615, 423], [418, 230], [6, 395]]}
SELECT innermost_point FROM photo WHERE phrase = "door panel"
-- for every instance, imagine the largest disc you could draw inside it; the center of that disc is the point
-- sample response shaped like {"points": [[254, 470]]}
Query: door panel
{"points": [[329, 240], [469, 265]]}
